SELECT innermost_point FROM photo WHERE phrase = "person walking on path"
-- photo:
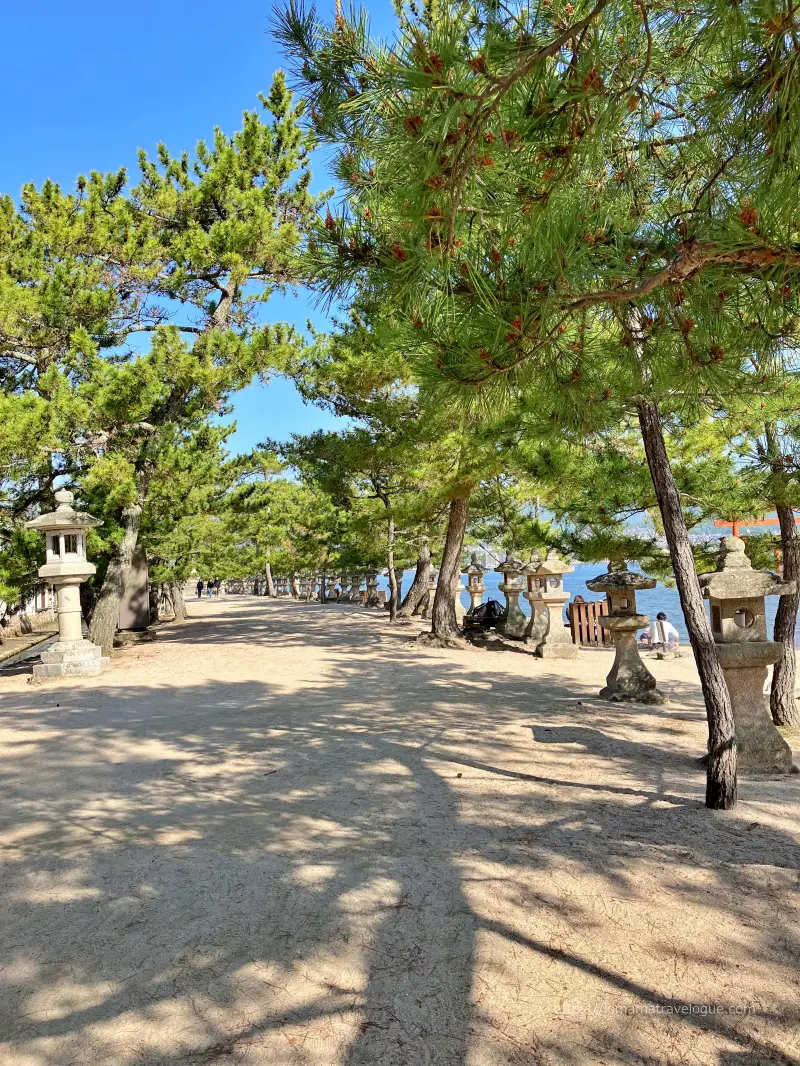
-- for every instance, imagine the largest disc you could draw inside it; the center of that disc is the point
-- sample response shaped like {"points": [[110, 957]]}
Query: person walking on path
{"points": [[210, 588], [217, 584], [200, 589]]}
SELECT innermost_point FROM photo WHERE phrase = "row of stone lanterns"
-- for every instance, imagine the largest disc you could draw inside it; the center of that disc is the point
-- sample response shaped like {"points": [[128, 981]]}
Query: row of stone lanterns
{"points": [[735, 591], [323, 587]]}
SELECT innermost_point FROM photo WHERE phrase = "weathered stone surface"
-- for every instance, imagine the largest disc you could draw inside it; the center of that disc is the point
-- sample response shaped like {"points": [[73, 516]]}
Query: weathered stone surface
{"points": [[514, 622], [761, 748], [629, 679], [70, 658], [66, 567], [736, 592], [545, 630], [475, 585]]}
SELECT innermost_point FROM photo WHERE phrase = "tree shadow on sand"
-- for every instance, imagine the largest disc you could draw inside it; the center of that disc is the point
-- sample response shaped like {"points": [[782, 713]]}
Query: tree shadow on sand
{"points": [[246, 872]]}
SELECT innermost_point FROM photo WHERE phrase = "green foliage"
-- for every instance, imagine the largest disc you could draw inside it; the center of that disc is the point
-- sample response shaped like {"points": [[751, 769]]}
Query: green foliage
{"points": [[130, 315]]}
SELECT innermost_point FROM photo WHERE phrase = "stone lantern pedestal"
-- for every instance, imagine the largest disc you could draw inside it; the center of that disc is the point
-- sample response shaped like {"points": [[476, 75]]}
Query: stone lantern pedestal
{"points": [[66, 568], [736, 593], [475, 585], [427, 610], [372, 600], [514, 622], [538, 621], [629, 678], [546, 629], [460, 609]]}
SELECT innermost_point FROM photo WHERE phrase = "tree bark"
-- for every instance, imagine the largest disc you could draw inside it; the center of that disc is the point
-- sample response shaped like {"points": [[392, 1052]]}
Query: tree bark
{"points": [[167, 601], [270, 582], [445, 629], [394, 591], [782, 703], [88, 600], [178, 602], [721, 763], [105, 616], [413, 599]]}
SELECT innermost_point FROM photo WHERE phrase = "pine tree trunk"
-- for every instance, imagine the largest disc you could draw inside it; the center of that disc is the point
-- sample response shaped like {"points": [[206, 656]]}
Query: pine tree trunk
{"points": [[781, 699], [105, 617], [419, 586], [270, 582], [165, 613], [721, 765], [178, 601], [394, 591], [445, 628]]}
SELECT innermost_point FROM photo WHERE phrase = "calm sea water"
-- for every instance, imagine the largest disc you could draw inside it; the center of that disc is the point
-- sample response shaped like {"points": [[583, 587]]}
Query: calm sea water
{"points": [[649, 602]]}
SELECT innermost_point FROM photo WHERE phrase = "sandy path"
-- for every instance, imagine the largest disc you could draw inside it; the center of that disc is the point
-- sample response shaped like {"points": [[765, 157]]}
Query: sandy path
{"points": [[284, 835]]}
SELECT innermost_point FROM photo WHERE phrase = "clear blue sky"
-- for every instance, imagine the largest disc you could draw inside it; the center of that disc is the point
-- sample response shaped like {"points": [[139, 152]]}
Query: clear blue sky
{"points": [[84, 86]]}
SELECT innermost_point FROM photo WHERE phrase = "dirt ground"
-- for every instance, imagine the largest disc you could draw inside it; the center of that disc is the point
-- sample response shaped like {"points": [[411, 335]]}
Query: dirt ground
{"points": [[285, 835]]}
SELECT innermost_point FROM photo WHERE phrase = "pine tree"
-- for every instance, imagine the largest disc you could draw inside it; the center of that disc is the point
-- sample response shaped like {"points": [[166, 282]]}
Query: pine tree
{"points": [[561, 195], [134, 314]]}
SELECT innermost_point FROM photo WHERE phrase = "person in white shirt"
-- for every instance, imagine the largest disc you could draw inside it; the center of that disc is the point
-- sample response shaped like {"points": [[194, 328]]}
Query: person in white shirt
{"points": [[662, 633]]}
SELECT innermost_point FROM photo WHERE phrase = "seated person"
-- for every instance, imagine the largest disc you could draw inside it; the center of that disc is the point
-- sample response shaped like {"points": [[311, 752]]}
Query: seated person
{"points": [[662, 634]]}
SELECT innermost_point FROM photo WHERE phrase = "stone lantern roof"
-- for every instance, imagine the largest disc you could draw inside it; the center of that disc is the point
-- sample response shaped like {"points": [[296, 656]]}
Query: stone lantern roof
{"points": [[532, 566], [620, 581], [474, 566], [554, 564], [64, 517], [510, 565], [735, 578]]}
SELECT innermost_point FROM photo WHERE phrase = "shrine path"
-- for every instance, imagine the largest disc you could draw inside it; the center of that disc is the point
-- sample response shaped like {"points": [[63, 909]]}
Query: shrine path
{"points": [[286, 835]]}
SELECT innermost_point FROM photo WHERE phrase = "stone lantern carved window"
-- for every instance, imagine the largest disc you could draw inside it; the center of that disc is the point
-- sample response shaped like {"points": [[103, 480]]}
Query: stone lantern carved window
{"points": [[71, 543], [716, 619], [743, 618]]}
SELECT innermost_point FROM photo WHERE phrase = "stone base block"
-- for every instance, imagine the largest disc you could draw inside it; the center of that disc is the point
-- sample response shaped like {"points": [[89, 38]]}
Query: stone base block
{"points": [[70, 658], [763, 751], [557, 650], [643, 696]]}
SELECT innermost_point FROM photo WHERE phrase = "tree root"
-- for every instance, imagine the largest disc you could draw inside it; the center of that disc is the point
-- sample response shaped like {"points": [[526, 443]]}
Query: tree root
{"points": [[431, 640]]}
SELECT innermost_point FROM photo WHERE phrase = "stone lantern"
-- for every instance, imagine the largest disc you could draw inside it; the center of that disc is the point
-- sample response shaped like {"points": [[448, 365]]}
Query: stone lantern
{"points": [[735, 592], [546, 629], [330, 589], [514, 622], [430, 596], [372, 599], [457, 604], [629, 678], [353, 592], [475, 585], [66, 568], [295, 585], [537, 623]]}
